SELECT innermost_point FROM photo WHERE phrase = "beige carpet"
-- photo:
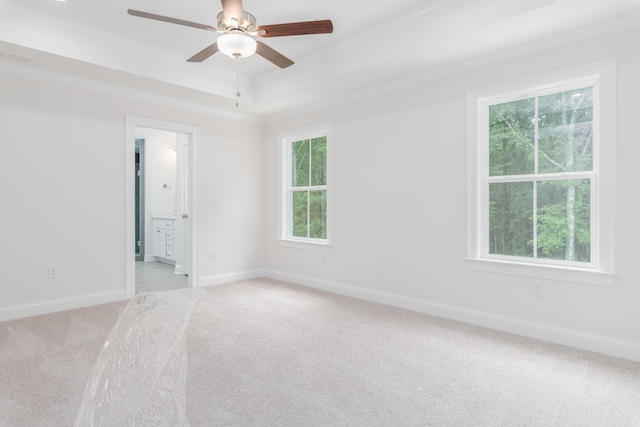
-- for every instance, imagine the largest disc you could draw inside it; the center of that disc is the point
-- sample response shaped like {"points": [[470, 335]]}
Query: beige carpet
{"points": [[267, 353]]}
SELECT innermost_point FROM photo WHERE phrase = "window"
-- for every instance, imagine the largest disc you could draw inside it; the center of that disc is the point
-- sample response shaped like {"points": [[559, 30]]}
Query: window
{"points": [[304, 219], [540, 176], [542, 161]]}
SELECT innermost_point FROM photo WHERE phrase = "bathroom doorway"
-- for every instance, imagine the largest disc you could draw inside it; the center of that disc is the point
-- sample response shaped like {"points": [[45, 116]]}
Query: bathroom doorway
{"points": [[159, 257], [159, 194]]}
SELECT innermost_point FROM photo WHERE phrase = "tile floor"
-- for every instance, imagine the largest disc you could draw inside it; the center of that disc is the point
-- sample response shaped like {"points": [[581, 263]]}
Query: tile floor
{"points": [[157, 276]]}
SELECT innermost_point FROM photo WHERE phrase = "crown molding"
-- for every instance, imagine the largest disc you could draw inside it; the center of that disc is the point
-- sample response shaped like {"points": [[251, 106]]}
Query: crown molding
{"points": [[112, 89], [110, 50], [50, 23], [366, 37], [628, 23], [289, 92], [420, 30], [80, 42]]}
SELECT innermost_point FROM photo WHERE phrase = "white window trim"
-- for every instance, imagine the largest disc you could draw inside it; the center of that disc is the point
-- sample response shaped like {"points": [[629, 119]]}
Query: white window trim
{"points": [[601, 271], [286, 138]]}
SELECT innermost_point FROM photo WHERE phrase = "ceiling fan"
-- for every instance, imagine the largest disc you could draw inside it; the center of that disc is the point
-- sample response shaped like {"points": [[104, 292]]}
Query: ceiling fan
{"points": [[239, 28]]}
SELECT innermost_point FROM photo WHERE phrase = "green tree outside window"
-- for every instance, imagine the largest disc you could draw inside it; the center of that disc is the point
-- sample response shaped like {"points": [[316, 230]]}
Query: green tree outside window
{"points": [[309, 188]]}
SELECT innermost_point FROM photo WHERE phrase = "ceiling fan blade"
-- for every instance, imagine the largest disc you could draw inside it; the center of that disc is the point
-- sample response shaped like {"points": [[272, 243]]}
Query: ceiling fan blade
{"points": [[296, 28], [204, 53], [233, 10], [272, 55], [170, 20]]}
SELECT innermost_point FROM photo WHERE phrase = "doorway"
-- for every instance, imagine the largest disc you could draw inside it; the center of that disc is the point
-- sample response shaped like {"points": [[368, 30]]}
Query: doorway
{"points": [[159, 257], [161, 248]]}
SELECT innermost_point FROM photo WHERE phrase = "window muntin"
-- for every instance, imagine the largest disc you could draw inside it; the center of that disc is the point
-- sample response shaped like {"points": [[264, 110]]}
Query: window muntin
{"points": [[540, 177]]}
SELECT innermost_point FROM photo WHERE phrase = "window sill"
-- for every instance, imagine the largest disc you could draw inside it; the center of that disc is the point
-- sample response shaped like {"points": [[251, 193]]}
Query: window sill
{"points": [[549, 272], [312, 246]]}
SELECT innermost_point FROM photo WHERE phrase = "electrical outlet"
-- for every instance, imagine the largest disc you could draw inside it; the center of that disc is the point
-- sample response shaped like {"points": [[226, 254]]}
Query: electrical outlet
{"points": [[53, 272], [214, 255], [536, 290]]}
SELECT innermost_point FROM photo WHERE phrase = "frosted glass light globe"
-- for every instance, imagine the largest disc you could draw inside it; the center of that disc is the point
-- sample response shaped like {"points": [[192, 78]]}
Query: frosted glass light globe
{"points": [[236, 45]]}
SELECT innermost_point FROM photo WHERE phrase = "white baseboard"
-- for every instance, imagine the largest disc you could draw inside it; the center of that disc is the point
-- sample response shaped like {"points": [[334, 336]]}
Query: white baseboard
{"points": [[60, 304], [569, 337], [230, 277]]}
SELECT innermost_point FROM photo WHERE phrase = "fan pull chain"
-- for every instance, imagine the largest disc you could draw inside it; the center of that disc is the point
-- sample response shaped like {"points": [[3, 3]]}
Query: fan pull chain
{"points": [[237, 82]]}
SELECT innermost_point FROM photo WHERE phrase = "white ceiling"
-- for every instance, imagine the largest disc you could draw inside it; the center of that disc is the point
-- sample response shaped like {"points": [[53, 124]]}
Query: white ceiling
{"points": [[377, 45]]}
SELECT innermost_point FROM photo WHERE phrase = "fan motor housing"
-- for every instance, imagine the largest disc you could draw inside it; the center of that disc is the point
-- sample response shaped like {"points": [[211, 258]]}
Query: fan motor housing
{"points": [[248, 23]]}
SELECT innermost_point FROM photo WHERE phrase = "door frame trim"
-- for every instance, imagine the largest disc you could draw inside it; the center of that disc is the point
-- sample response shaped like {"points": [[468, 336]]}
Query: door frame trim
{"points": [[141, 209], [192, 225]]}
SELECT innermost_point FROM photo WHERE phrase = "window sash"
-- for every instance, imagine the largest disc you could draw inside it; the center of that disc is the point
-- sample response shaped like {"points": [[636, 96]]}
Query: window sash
{"points": [[307, 189], [535, 257], [485, 179]]}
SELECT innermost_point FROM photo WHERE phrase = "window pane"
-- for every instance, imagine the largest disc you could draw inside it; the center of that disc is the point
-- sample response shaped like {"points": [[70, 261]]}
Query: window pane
{"points": [[299, 210], [319, 161], [318, 214], [566, 131], [564, 225], [300, 163], [511, 138], [511, 219]]}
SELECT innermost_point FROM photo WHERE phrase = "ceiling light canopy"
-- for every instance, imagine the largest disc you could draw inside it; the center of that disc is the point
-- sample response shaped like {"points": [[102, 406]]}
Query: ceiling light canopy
{"points": [[236, 45]]}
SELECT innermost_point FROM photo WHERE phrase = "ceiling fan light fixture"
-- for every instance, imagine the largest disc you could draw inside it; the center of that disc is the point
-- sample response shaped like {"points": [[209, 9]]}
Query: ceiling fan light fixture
{"points": [[238, 29], [236, 45]]}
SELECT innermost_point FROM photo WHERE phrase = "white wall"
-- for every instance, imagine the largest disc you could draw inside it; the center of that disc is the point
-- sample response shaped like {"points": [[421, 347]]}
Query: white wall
{"points": [[63, 189], [399, 194], [399, 200]]}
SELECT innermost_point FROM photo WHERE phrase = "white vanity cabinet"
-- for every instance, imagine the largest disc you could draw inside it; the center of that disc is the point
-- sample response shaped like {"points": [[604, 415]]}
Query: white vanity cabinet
{"points": [[163, 234]]}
